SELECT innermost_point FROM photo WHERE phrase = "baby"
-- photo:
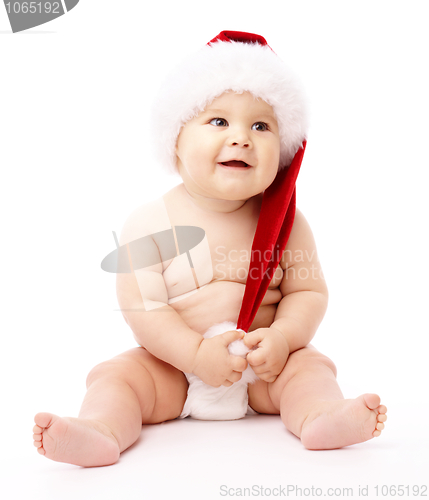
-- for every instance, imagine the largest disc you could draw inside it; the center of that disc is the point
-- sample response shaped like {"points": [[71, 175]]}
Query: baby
{"points": [[228, 119]]}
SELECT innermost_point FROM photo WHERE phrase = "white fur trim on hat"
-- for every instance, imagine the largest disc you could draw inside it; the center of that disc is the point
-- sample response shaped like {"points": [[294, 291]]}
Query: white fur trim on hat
{"points": [[229, 66]]}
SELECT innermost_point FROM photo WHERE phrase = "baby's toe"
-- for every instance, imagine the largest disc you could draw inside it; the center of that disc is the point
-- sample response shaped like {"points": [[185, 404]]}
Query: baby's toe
{"points": [[379, 425], [382, 409], [372, 401], [43, 420]]}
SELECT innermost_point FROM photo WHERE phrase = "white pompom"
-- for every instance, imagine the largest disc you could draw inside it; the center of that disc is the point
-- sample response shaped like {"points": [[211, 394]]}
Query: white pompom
{"points": [[219, 403]]}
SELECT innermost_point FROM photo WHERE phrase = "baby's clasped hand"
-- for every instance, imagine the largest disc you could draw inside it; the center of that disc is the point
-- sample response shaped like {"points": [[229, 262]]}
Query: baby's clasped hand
{"points": [[271, 354], [214, 365]]}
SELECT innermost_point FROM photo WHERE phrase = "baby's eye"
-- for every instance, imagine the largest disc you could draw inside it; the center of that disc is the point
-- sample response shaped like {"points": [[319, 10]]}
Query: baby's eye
{"points": [[260, 126], [219, 122]]}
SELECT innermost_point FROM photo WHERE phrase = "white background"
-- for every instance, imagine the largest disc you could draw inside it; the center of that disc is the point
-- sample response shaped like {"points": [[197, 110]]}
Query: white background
{"points": [[75, 160]]}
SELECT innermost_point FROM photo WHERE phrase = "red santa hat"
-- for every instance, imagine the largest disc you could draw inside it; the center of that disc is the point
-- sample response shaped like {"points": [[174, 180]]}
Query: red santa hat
{"points": [[232, 61], [242, 62]]}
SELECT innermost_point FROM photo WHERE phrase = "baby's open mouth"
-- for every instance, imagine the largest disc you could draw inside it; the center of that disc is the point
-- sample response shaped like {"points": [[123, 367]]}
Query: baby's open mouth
{"points": [[235, 163]]}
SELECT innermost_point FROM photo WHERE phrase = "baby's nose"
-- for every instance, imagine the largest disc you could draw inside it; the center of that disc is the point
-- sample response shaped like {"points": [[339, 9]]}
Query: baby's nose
{"points": [[244, 144], [240, 138]]}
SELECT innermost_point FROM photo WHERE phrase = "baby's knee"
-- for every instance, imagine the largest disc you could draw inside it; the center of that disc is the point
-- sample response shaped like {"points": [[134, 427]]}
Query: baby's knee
{"points": [[97, 372], [309, 356], [328, 362], [113, 368]]}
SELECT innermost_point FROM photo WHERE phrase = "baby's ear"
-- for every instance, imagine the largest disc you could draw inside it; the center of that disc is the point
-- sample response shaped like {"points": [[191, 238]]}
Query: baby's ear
{"points": [[176, 157]]}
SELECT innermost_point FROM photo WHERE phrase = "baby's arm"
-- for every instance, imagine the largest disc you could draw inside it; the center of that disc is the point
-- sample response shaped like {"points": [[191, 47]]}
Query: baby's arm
{"points": [[160, 329], [300, 311]]}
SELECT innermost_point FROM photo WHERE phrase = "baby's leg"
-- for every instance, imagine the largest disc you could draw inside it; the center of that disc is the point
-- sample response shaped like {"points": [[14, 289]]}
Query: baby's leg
{"points": [[122, 393], [313, 408]]}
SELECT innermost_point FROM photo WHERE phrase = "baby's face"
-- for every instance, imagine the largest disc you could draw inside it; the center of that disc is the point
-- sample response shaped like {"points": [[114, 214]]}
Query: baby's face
{"points": [[231, 150]]}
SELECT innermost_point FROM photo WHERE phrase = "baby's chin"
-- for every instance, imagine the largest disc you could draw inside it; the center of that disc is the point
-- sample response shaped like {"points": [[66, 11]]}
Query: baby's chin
{"points": [[243, 194], [221, 202], [242, 189]]}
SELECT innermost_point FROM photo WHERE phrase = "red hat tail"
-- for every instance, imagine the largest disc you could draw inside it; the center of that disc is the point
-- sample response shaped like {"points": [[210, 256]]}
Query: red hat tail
{"points": [[271, 236]]}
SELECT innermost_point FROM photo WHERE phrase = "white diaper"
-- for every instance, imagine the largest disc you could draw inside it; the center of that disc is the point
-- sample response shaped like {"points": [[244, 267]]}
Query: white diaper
{"points": [[205, 402]]}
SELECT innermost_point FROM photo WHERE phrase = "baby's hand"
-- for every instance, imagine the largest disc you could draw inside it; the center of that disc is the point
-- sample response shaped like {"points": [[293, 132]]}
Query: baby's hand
{"points": [[214, 365], [270, 357]]}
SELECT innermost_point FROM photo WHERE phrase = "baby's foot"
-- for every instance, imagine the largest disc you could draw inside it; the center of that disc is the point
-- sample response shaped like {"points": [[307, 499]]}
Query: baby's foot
{"points": [[334, 424], [75, 441]]}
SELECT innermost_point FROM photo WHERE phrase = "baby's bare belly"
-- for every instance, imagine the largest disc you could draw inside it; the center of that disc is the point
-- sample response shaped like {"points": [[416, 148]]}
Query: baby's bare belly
{"points": [[221, 301]]}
